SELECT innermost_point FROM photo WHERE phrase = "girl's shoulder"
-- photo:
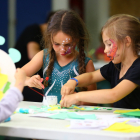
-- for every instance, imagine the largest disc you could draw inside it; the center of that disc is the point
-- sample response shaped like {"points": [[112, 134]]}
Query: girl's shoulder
{"points": [[45, 54], [86, 58], [133, 73]]}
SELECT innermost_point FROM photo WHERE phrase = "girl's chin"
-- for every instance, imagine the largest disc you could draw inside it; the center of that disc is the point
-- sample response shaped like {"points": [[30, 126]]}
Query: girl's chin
{"points": [[115, 61]]}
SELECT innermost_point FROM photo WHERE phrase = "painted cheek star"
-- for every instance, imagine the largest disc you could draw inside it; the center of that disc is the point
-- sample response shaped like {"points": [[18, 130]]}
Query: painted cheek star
{"points": [[69, 50], [113, 50]]}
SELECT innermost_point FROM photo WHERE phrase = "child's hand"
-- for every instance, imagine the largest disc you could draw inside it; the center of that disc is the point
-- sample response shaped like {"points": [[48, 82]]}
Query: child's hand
{"points": [[69, 100], [68, 88], [35, 81], [20, 79], [20, 75]]}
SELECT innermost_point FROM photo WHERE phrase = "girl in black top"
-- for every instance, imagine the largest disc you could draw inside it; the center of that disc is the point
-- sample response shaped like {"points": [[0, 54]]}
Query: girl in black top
{"points": [[121, 36]]}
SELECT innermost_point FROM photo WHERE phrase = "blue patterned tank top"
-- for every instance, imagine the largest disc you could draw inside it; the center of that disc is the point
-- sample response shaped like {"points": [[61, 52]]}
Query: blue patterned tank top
{"points": [[60, 75]]}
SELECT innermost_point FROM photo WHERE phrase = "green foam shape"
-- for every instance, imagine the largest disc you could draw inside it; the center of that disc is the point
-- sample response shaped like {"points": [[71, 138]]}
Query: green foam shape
{"points": [[73, 115], [7, 86], [109, 109], [2, 40], [133, 113]]}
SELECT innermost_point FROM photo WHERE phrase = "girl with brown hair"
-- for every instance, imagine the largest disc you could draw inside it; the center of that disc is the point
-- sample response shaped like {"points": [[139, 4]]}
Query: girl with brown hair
{"points": [[65, 34], [121, 36]]}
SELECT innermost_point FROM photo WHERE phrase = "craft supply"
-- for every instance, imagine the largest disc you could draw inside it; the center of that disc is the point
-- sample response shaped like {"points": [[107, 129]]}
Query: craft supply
{"points": [[50, 100], [109, 108], [8, 119], [36, 91], [24, 110]]}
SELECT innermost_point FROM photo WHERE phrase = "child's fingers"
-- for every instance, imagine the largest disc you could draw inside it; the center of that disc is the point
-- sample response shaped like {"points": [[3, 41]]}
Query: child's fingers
{"points": [[38, 84], [41, 80], [62, 97], [66, 91], [37, 77], [61, 103]]}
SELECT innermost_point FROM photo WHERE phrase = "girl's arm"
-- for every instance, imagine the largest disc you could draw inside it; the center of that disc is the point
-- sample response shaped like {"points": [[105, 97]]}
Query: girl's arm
{"points": [[33, 67], [108, 95], [101, 96], [13, 96], [84, 80], [89, 68]]}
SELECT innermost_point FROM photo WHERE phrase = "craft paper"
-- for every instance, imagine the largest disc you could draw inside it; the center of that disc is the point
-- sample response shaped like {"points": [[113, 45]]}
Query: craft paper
{"points": [[7, 67], [2, 40], [88, 124], [7, 86], [14, 54], [123, 127], [1, 95], [59, 109], [43, 115], [3, 80], [133, 113], [124, 111], [66, 115], [73, 115]]}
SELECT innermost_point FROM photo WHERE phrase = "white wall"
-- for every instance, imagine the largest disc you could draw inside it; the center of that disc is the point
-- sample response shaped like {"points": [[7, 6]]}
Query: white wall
{"points": [[60, 4], [11, 22], [96, 14]]}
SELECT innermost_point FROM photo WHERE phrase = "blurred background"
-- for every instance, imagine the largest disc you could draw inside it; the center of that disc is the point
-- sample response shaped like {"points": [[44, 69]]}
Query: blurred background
{"points": [[16, 15]]}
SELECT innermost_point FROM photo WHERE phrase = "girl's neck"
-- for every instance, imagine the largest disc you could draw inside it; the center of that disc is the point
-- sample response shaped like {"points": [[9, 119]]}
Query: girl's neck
{"points": [[128, 62]]}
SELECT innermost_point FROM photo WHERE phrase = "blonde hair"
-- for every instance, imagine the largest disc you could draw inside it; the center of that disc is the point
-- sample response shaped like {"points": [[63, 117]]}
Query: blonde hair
{"points": [[122, 25]]}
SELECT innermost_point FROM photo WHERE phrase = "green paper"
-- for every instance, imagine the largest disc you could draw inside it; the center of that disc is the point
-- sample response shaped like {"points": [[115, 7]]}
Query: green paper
{"points": [[109, 108], [73, 115], [133, 113], [88, 108], [7, 86]]}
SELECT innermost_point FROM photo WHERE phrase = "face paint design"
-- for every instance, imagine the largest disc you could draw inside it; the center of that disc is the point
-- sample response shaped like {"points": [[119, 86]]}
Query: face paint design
{"points": [[113, 50], [70, 48]]}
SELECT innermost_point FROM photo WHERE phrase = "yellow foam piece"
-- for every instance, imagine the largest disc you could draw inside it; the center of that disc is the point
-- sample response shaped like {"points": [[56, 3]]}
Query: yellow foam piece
{"points": [[3, 80], [76, 107], [82, 108], [53, 108], [123, 127], [125, 111], [1, 95]]}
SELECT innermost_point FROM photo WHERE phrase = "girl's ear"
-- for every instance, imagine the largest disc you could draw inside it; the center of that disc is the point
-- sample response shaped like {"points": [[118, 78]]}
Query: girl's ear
{"points": [[128, 41]]}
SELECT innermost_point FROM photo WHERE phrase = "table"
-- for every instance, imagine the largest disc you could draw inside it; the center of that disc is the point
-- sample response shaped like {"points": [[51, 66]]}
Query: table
{"points": [[24, 126]]}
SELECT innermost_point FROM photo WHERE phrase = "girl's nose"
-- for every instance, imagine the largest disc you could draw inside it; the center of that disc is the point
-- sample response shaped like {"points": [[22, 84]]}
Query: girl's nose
{"points": [[62, 48], [105, 50]]}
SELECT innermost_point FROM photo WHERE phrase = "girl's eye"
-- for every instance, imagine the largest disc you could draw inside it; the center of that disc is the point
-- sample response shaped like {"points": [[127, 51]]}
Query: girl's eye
{"points": [[109, 45], [67, 45], [56, 44]]}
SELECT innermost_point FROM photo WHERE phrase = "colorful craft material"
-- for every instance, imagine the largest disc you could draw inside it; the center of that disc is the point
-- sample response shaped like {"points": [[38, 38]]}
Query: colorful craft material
{"points": [[24, 111], [123, 127]]}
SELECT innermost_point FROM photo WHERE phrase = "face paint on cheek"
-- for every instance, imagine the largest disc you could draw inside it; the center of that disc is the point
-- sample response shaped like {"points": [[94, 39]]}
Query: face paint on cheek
{"points": [[69, 50], [113, 50]]}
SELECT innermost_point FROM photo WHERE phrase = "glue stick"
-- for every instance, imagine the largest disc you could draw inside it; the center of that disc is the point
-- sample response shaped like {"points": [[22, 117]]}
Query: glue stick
{"points": [[25, 111]]}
